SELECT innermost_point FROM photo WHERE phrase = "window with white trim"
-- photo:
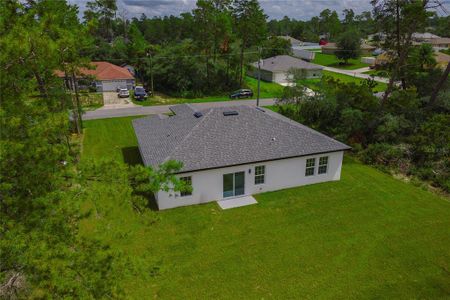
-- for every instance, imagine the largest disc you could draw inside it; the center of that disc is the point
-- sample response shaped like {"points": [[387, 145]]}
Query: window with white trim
{"points": [[260, 174], [323, 165], [188, 181], [310, 166]]}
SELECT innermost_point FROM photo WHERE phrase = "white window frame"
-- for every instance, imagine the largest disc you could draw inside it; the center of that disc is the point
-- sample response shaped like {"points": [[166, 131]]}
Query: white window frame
{"points": [[309, 166], [189, 180], [259, 175], [323, 163]]}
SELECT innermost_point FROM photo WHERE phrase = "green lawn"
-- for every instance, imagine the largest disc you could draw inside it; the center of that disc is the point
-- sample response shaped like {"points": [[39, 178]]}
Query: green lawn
{"points": [[112, 138], [268, 90], [365, 236], [330, 60], [379, 73], [315, 84]]}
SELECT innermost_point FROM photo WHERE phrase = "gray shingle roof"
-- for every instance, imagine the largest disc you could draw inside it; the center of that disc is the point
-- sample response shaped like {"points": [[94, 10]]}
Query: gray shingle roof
{"points": [[215, 140], [283, 63]]}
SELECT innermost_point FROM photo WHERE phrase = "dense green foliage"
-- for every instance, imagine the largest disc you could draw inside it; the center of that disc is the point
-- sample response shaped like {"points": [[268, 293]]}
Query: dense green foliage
{"points": [[394, 130], [196, 54], [333, 240], [349, 46], [405, 133]]}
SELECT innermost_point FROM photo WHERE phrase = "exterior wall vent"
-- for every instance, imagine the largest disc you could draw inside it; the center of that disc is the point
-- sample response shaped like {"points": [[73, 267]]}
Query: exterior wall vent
{"points": [[230, 113]]}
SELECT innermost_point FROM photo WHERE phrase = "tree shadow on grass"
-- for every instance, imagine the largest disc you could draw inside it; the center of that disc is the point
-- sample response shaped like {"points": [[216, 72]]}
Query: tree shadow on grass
{"points": [[132, 156]]}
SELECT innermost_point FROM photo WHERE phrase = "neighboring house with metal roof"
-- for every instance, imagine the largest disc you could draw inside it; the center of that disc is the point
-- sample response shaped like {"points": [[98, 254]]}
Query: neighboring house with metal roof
{"points": [[106, 76], [235, 151], [279, 69]]}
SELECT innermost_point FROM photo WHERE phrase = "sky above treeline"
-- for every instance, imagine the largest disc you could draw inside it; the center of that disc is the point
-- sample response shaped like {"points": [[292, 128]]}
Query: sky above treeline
{"points": [[275, 9]]}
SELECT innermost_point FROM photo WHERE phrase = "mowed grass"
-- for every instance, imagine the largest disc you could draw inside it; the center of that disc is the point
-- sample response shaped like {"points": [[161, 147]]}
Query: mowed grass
{"points": [[112, 138], [315, 84], [267, 90], [330, 60], [365, 236]]}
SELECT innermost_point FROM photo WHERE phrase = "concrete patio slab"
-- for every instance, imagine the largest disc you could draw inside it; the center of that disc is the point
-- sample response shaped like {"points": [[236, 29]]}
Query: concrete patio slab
{"points": [[236, 202]]}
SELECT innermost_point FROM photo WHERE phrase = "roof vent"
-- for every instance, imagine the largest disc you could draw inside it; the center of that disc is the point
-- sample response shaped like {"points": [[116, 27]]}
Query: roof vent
{"points": [[198, 114], [230, 113]]}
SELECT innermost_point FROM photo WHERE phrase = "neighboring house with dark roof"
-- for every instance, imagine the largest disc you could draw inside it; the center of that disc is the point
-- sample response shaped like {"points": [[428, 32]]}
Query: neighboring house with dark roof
{"points": [[235, 151], [279, 69], [106, 76]]}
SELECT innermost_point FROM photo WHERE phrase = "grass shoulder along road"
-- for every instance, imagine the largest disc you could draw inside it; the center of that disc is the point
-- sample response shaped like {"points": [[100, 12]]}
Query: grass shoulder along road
{"points": [[330, 60], [366, 236], [267, 90]]}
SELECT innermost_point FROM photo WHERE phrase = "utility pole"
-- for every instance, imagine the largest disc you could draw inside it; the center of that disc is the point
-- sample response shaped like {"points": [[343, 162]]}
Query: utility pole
{"points": [[259, 76], [151, 74], [79, 111], [149, 54]]}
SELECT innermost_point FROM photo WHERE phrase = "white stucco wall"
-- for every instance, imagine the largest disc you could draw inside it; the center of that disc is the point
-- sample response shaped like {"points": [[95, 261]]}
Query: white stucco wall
{"points": [[280, 174], [282, 77], [112, 85]]}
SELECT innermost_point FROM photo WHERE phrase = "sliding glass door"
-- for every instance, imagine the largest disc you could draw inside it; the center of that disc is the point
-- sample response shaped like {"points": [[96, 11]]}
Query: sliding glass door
{"points": [[233, 184]]}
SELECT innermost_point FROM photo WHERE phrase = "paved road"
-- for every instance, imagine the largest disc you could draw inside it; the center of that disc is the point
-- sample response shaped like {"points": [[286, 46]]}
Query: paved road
{"points": [[356, 73], [113, 112]]}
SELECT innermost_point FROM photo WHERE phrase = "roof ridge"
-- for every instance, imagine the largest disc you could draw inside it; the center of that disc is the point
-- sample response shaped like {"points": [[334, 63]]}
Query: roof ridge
{"points": [[189, 134]]}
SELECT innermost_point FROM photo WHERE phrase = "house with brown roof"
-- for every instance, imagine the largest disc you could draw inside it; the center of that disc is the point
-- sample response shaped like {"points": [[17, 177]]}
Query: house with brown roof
{"points": [[105, 76]]}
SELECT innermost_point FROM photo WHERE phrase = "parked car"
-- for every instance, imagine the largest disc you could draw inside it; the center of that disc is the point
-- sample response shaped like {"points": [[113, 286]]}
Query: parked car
{"points": [[123, 93], [120, 88], [140, 93], [242, 93]]}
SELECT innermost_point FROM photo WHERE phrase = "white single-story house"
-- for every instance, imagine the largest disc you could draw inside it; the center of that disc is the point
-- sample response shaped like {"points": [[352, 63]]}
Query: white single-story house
{"points": [[106, 76], [278, 69], [235, 151]]}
